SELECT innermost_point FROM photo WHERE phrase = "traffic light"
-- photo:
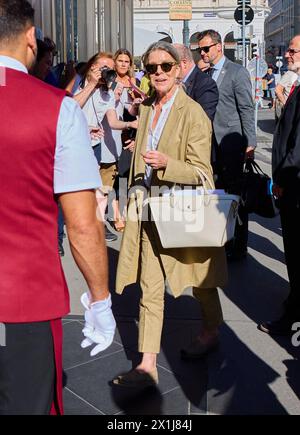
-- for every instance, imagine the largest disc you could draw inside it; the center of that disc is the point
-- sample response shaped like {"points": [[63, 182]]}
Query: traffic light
{"points": [[254, 50]]}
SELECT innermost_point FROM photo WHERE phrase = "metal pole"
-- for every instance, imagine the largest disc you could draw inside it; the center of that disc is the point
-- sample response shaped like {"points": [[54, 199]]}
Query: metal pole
{"points": [[257, 91], [186, 33], [244, 33]]}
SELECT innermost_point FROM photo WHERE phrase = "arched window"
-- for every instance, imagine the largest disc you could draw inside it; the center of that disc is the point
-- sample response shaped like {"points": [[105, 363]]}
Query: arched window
{"points": [[230, 46]]}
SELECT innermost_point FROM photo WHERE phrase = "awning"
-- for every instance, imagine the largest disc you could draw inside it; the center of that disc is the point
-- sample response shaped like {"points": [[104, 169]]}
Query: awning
{"points": [[143, 39]]}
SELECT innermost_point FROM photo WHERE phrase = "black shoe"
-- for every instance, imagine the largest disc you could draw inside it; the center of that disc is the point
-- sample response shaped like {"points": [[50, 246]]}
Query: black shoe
{"points": [[109, 236], [61, 250], [283, 326]]}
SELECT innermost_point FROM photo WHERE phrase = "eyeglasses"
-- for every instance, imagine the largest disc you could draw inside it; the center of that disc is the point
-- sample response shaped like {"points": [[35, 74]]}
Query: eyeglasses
{"points": [[292, 51], [206, 48], [166, 67]]}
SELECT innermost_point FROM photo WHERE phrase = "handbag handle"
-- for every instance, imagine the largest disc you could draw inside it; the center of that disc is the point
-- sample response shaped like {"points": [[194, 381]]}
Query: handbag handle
{"points": [[203, 178], [251, 165]]}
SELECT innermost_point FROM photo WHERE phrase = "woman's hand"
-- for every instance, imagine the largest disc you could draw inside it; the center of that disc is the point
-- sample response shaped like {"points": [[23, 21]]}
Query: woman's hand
{"points": [[96, 132], [130, 145], [137, 102], [250, 153], [277, 191], [156, 160], [94, 76], [134, 106], [118, 91]]}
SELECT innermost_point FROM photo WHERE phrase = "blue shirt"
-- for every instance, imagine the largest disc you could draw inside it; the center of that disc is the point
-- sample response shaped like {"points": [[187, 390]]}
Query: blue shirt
{"points": [[218, 68], [75, 168]]}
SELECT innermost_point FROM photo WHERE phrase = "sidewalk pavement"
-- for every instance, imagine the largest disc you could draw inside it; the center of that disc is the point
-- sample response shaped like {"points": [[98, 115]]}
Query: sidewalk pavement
{"points": [[251, 374]]}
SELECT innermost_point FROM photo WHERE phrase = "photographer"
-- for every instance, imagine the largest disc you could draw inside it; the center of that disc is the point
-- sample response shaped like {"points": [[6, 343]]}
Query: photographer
{"points": [[98, 102]]}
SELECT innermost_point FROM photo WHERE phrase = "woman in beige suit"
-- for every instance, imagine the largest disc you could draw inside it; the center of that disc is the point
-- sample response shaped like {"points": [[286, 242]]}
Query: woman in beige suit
{"points": [[173, 140]]}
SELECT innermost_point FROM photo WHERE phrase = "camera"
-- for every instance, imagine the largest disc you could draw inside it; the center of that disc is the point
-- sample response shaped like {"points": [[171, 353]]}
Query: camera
{"points": [[109, 76]]}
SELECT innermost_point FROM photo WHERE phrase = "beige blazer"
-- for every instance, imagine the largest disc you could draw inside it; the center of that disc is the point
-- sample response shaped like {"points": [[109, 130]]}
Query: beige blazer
{"points": [[186, 139]]}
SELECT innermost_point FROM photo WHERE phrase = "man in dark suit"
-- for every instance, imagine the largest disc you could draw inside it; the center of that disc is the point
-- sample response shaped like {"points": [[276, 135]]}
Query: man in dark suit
{"points": [[286, 176], [234, 127], [199, 86]]}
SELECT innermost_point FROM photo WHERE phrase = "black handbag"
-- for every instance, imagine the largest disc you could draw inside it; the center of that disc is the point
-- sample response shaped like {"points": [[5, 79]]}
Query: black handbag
{"points": [[257, 193]]}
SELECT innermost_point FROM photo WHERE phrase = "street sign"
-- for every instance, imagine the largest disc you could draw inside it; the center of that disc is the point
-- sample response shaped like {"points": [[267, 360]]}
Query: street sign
{"points": [[237, 32], [180, 10], [240, 41], [249, 15], [247, 2], [279, 64]]}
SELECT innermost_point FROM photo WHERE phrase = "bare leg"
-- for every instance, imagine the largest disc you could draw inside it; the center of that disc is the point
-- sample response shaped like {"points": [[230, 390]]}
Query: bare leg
{"points": [[118, 219], [148, 363], [102, 205]]}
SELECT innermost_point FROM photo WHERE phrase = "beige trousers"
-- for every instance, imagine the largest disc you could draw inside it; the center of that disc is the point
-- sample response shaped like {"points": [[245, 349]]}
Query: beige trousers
{"points": [[108, 172], [153, 297]]}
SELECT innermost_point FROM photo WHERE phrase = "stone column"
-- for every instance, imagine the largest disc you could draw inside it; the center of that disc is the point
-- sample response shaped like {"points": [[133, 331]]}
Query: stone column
{"points": [[118, 24], [86, 30], [111, 14], [126, 24]]}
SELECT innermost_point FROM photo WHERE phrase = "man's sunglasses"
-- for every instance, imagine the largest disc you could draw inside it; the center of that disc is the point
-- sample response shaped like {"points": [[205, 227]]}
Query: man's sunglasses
{"points": [[166, 67], [206, 48], [292, 51]]}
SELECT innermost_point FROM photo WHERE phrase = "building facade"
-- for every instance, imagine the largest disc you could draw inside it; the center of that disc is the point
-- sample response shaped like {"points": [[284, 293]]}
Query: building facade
{"points": [[282, 24], [80, 28], [153, 15]]}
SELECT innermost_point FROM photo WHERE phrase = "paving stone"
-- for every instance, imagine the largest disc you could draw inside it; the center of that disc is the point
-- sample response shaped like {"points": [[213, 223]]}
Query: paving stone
{"points": [[75, 406], [92, 382]]}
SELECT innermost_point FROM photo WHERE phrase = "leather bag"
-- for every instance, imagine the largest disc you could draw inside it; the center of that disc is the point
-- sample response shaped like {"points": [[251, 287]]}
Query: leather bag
{"points": [[194, 217]]}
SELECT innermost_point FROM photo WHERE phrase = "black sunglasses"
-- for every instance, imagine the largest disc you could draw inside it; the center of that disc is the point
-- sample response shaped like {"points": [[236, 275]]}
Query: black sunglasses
{"points": [[206, 48], [166, 67]]}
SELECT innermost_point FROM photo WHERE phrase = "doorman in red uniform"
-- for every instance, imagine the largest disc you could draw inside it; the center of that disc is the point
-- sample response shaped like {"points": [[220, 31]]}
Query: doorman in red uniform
{"points": [[45, 158]]}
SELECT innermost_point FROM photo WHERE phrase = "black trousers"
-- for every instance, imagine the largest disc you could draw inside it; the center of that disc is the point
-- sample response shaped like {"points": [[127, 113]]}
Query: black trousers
{"points": [[290, 219], [27, 370], [228, 164]]}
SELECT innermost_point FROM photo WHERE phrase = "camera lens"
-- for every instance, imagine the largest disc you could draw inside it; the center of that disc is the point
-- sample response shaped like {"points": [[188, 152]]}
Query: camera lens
{"points": [[109, 76]]}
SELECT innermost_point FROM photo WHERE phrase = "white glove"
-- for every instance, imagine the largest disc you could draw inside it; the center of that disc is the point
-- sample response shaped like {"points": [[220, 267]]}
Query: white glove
{"points": [[100, 324]]}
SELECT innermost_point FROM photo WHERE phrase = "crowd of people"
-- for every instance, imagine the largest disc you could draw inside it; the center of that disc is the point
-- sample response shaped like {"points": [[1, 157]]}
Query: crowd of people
{"points": [[73, 143]]}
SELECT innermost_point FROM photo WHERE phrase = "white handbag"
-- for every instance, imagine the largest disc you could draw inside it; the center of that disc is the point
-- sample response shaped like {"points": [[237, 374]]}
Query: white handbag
{"points": [[195, 217]]}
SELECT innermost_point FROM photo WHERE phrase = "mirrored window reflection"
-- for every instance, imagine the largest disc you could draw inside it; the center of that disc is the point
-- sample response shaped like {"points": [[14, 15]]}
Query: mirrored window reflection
{"points": [[66, 25]]}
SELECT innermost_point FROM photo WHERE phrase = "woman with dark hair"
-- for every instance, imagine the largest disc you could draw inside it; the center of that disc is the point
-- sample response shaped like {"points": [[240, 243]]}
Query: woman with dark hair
{"points": [[44, 60]]}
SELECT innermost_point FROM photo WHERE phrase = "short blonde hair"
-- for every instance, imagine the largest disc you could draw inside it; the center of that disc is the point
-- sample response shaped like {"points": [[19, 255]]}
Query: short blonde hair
{"points": [[163, 46]]}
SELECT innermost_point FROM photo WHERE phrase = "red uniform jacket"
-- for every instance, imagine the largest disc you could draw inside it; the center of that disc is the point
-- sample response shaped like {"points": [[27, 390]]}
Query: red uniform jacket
{"points": [[32, 286]]}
